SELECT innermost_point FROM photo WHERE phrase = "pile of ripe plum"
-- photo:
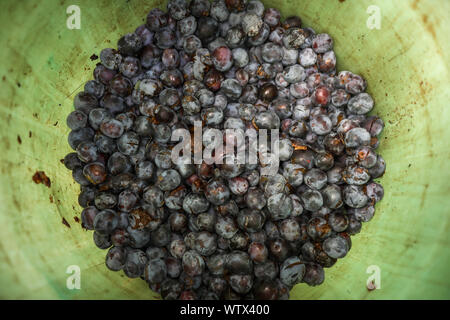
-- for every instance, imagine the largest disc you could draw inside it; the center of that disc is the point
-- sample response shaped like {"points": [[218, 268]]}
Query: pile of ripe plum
{"points": [[224, 230]]}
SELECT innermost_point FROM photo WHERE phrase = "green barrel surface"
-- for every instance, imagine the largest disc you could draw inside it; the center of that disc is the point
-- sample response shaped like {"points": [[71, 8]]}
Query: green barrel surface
{"points": [[406, 64]]}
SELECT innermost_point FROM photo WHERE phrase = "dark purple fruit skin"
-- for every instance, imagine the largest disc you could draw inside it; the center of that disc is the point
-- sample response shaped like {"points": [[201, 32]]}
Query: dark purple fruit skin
{"points": [[268, 92], [258, 252], [224, 230], [314, 274], [87, 217], [278, 249], [115, 258]]}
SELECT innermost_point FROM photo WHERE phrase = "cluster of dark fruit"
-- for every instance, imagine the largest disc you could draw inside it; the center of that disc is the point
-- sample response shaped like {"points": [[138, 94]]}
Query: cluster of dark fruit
{"points": [[224, 231]]}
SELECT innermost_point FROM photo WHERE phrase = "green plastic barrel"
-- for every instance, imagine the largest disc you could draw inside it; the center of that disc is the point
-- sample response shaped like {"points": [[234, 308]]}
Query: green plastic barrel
{"points": [[406, 64]]}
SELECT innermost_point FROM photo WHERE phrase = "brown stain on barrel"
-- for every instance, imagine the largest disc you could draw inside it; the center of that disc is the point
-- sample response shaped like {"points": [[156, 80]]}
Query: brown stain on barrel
{"points": [[64, 222], [41, 177], [429, 27], [424, 194], [425, 92], [16, 203]]}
